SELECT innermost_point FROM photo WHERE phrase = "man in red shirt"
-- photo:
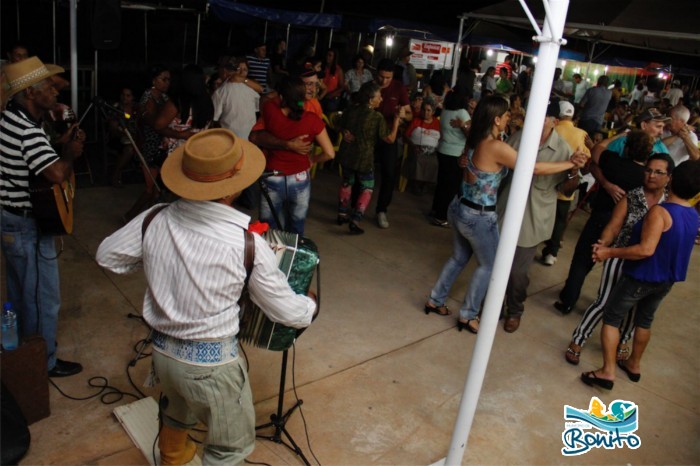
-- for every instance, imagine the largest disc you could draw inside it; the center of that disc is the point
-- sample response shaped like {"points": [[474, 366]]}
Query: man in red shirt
{"points": [[394, 100]]}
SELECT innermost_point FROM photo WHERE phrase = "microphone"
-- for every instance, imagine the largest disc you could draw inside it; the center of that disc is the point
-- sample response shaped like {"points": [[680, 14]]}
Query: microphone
{"points": [[271, 173], [100, 102]]}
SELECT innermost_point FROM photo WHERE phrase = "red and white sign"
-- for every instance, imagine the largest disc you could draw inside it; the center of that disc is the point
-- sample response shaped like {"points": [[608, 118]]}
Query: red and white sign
{"points": [[431, 54]]}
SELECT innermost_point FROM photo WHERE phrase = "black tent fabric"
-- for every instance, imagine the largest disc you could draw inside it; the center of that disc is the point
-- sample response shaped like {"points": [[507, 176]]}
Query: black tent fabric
{"points": [[230, 12], [650, 25]]}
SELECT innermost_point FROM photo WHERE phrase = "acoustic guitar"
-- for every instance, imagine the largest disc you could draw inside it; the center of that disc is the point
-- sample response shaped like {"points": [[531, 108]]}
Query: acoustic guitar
{"points": [[52, 205]]}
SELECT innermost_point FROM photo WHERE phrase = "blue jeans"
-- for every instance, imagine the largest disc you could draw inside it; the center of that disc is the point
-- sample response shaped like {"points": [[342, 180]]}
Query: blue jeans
{"points": [[33, 288], [290, 199], [475, 233]]}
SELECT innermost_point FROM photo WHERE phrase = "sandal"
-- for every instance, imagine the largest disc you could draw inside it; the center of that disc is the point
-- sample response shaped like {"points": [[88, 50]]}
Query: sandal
{"points": [[468, 325], [571, 356], [590, 378], [623, 353], [439, 310]]}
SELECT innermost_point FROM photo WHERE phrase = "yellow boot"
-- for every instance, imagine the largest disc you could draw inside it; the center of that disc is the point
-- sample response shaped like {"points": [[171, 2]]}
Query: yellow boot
{"points": [[175, 447]]}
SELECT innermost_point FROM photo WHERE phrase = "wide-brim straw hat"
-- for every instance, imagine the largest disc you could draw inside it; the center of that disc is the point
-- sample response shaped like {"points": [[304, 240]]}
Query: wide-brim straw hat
{"points": [[211, 165], [26, 73]]}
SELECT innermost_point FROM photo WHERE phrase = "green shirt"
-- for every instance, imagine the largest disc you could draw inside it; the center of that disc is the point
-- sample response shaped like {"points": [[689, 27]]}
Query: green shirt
{"points": [[367, 126]]}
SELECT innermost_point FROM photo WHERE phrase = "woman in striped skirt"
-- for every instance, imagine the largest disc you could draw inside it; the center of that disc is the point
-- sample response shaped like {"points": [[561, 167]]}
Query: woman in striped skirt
{"points": [[627, 212]]}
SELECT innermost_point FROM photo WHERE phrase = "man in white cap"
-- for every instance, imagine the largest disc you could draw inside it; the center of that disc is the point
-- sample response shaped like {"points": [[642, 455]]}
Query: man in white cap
{"points": [[193, 253], [578, 140], [30, 257]]}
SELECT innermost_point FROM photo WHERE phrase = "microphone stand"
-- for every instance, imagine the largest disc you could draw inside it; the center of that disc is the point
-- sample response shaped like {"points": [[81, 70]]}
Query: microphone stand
{"points": [[279, 419], [103, 106]]}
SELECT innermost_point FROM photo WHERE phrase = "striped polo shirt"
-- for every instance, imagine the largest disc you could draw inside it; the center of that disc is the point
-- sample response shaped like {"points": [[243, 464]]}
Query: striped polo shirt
{"points": [[257, 69], [24, 146]]}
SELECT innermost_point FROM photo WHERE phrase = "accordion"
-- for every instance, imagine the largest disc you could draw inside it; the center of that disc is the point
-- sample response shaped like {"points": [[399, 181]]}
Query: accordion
{"points": [[297, 258]]}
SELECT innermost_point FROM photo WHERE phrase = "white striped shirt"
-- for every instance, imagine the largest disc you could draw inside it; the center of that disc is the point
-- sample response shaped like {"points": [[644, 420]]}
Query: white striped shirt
{"points": [[24, 146], [192, 255]]}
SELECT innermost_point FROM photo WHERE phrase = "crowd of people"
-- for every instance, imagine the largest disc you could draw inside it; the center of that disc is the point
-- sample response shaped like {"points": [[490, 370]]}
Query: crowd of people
{"points": [[208, 138]]}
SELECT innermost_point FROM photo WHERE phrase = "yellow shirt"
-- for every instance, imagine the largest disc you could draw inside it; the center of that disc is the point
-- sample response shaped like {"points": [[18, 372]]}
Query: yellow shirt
{"points": [[576, 138]]}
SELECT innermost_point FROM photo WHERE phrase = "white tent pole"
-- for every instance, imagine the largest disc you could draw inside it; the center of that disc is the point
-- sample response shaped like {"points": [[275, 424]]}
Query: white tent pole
{"points": [[458, 52], [74, 55], [359, 42], [550, 42], [330, 39]]}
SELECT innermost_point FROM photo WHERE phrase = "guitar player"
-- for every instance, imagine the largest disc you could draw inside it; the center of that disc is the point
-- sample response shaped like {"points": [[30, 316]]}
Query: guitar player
{"points": [[30, 257]]}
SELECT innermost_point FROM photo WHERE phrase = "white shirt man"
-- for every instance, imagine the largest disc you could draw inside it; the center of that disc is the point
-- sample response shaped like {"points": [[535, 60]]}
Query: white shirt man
{"points": [[681, 141]]}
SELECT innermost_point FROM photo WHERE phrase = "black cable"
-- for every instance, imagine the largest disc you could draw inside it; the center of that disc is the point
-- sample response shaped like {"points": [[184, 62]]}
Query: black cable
{"points": [[301, 411], [255, 462], [105, 391]]}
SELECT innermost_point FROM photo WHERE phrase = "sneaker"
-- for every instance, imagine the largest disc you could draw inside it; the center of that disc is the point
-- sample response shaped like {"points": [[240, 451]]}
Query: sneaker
{"points": [[382, 221], [549, 259]]}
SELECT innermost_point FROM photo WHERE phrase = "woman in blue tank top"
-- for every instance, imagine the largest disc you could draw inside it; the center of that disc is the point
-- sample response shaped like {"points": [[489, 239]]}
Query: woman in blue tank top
{"points": [[658, 256], [473, 214]]}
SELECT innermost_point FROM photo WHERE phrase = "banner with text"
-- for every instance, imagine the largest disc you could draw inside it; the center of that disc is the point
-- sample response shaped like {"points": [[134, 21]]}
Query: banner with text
{"points": [[431, 54]]}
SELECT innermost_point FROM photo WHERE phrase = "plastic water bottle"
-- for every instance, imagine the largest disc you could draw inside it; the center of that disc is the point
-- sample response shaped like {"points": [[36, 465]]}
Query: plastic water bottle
{"points": [[9, 328]]}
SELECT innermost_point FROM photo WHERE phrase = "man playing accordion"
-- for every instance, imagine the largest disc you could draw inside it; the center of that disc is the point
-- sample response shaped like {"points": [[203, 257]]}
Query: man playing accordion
{"points": [[193, 254]]}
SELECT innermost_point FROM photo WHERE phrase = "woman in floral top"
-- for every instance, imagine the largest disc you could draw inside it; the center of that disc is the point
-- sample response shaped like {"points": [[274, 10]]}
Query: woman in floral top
{"points": [[631, 209]]}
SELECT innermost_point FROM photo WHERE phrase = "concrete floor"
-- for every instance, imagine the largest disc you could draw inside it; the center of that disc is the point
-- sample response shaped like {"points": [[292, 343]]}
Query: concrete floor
{"points": [[380, 380]]}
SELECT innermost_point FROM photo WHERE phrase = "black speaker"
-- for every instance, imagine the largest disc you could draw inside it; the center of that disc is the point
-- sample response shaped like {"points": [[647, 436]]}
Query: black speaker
{"points": [[107, 24]]}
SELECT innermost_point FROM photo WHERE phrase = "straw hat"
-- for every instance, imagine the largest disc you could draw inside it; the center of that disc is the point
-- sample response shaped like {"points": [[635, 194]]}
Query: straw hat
{"points": [[211, 165], [26, 73]]}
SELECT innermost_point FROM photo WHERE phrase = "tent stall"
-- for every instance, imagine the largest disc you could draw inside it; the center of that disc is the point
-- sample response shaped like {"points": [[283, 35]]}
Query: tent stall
{"points": [[234, 12]]}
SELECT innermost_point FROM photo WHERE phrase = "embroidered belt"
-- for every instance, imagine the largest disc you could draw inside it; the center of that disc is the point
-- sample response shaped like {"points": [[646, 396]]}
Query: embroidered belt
{"points": [[210, 352]]}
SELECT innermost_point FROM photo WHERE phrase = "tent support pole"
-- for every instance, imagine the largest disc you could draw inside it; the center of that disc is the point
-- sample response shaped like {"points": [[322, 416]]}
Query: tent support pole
{"points": [[196, 47], [53, 17], [359, 42], [145, 36], [550, 42], [17, 9], [265, 33], [74, 55], [457, 52], [330, 38], [286, 50]]}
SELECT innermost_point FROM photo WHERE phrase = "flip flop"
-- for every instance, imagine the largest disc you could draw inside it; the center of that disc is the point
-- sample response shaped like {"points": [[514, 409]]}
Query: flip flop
{"points": [[634, 377], [589, 378], [571, 356]]}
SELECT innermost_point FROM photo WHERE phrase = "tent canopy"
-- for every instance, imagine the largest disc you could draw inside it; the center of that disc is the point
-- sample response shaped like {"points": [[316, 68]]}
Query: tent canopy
{"points": [[230, 12], [654, 25]]}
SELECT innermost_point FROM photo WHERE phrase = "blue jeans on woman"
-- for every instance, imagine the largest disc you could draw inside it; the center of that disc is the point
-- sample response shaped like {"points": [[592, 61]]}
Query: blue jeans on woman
{"points": [[290, 197], [33, 288], [475, 233]]}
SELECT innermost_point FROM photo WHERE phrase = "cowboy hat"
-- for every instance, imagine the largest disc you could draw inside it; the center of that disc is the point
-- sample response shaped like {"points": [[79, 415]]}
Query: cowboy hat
{"points": [[211, 165], [26, 73]]}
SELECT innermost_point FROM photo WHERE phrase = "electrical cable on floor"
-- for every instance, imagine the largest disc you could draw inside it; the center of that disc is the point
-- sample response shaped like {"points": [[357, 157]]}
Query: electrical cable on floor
{"points": [[301, 411], [107, 390], [247, 461]]}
